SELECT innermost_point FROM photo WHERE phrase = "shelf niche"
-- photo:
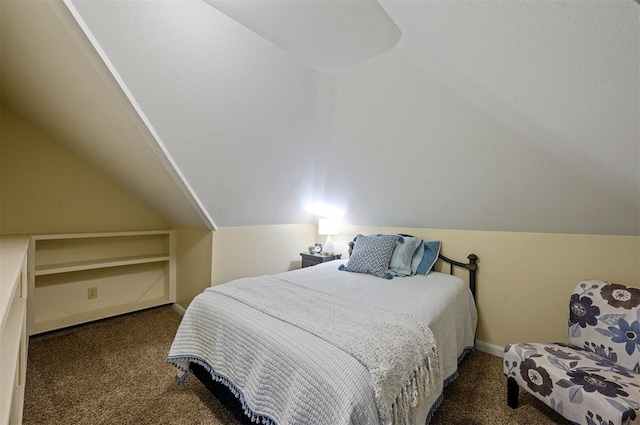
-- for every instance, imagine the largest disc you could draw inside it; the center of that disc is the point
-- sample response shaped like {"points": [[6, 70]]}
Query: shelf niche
{"points": [[130, 271]]}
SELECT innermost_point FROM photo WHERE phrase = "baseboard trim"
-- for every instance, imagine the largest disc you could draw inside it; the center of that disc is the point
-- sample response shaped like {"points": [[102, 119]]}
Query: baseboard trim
{"points": [[178, 309], [485, 347]]}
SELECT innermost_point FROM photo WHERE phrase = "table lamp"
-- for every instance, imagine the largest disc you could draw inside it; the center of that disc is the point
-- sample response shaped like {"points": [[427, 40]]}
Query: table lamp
{"points": [[328, 226]]}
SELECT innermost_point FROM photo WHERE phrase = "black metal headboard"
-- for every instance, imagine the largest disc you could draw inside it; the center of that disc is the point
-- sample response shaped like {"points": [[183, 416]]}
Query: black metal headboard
{"points": [[471, 266]]}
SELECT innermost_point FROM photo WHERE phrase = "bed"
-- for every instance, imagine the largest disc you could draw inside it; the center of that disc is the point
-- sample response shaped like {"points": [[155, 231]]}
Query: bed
{"points": [[280, 349]]}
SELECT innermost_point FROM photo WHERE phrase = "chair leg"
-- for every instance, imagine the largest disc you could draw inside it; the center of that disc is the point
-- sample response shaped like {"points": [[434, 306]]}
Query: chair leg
{"points": [[512, 393]]}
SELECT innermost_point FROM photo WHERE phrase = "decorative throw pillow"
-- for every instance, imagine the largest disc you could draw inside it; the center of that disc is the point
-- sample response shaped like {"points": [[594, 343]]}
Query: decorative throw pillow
{"points": [[417, 258], [371, 254], [402, 255], [431, 252]]}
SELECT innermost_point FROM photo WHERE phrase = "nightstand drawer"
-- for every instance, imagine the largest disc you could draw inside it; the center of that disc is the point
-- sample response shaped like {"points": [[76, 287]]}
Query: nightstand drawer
{"points": [[309, 260]]}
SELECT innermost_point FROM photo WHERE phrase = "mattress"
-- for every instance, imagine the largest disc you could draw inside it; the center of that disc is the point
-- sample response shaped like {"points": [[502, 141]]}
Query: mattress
{"points": [[284, 375]]}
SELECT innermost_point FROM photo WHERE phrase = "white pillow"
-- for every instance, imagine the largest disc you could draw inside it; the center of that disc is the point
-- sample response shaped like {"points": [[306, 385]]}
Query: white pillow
{"points": [[402, 256]]}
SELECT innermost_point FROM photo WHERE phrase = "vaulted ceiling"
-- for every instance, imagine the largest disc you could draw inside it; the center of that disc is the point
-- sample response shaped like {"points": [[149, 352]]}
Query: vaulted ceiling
{"points": [[515, 116]]}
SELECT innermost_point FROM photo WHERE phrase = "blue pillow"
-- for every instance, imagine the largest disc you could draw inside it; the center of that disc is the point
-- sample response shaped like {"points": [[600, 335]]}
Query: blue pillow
{"points": [[431, 252], [402, 255], [417, 258], [371, 254]]}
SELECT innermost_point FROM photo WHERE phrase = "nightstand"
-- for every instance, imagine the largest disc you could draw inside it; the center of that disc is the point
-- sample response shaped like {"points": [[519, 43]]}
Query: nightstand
{"points": [[309, 260]]}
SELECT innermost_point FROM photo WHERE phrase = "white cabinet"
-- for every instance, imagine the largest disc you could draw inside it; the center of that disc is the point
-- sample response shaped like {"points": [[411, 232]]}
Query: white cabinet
{"points": [[13, 328], [77, 278]]}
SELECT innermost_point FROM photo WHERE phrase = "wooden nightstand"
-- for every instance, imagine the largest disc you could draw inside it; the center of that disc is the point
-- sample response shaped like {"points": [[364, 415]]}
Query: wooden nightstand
{"points": [[309, 260]]}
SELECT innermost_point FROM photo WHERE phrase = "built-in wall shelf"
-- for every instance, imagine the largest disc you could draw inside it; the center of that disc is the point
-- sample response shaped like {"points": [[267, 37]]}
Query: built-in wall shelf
{"points": [[77, 278], [13, 327], [98, 264]]}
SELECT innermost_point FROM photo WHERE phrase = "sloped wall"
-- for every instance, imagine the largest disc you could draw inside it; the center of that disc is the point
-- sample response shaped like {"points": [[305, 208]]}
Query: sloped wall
{"points": [[230, 107], [509, 116], [44, 188]]}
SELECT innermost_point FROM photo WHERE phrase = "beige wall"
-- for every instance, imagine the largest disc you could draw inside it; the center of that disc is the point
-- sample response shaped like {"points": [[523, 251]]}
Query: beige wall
{"points": [[525, 279], [257, 250], [194, 257], [45, 188]]}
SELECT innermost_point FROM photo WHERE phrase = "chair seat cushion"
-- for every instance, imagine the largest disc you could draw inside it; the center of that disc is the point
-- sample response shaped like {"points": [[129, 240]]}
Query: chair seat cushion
{"points": [[581, 385]]}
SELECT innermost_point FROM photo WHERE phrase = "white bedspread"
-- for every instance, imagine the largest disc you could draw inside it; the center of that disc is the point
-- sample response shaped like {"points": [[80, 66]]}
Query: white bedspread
{"points": [[289, 376]]}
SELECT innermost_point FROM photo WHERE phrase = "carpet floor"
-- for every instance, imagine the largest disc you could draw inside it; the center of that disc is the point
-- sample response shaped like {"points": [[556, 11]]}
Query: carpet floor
{"points": [[113, 372]]}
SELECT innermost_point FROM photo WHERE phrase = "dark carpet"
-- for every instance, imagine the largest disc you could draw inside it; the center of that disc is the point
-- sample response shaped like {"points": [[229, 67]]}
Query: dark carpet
{"points": [[113, 372]]}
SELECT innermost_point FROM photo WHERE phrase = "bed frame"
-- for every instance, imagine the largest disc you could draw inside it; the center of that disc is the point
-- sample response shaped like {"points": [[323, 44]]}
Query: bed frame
{"points": [[226, 397]]}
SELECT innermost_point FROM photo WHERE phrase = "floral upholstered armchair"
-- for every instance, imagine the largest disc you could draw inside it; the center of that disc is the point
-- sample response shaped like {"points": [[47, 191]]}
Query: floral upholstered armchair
{"points": [[595, 380]]}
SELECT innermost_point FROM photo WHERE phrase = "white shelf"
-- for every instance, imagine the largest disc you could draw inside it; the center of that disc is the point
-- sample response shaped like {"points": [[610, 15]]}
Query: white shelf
{"points": [[100, 235], [98, 264], [128, 271]]}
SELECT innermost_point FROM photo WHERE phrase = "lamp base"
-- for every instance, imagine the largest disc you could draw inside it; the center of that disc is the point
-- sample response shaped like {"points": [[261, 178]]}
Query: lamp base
{"points": [[328, 246]]}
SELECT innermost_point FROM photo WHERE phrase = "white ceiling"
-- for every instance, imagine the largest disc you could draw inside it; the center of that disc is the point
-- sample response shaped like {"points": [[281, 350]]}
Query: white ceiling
{"points": [[518, 116], [328, 36]]}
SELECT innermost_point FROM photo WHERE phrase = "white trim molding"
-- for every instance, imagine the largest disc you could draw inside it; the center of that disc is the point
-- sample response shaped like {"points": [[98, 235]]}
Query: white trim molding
{"points": [[485, 347], [178, 309], [159, 148]]}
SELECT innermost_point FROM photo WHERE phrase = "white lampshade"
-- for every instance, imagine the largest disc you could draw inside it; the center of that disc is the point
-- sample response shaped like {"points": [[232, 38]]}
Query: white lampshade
{"points": [[328, 226]]}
